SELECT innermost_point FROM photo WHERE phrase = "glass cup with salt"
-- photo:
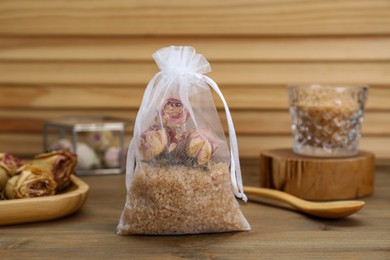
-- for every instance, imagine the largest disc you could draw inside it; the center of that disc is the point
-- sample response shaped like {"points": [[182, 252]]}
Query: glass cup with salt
{"points": [[326, 120]]}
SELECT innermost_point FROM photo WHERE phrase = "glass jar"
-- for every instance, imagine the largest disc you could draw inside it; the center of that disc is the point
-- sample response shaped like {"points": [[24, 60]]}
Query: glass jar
{"points": [[326, 120]]}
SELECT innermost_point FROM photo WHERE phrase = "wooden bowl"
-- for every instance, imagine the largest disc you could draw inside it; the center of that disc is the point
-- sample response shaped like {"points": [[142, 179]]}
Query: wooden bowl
{"points": [[315, 178], [44, 208]]}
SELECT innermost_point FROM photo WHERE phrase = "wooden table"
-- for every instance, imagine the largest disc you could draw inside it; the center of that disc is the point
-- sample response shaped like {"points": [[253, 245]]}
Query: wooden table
{"points": [[277, 231]]}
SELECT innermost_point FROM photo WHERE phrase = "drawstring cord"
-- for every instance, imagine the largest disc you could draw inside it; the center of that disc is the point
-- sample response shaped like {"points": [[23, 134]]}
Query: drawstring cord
{"points": [[235, 169]]}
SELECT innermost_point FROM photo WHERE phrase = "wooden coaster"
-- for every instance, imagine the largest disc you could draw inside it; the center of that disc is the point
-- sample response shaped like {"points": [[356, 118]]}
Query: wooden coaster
{"points": [[315, 178]]}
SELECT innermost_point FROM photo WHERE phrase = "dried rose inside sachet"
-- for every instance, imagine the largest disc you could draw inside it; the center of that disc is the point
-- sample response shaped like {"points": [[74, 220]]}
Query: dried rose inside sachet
{"points": [[30, 182], [60, 164], [172, 135], [164, 135], [174, 114], [200, 146], [152, 142]]}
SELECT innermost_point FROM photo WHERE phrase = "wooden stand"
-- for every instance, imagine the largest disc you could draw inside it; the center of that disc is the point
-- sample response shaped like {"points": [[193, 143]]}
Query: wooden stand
{"points": [[315, 178]]}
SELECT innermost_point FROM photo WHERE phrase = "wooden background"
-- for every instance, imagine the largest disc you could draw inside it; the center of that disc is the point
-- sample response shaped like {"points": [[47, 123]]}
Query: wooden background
{"points": [[60, 57]]}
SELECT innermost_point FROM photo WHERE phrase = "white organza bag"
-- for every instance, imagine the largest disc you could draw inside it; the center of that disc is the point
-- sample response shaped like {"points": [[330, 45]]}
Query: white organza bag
{"points": [[181, 176]]}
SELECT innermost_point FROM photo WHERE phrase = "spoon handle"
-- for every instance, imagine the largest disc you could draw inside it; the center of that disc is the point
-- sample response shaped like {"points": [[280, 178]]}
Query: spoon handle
{"points": [[275, 194], [330, 209]]}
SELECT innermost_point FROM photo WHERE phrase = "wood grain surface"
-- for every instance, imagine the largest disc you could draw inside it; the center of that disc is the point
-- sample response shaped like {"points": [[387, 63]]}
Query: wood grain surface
{"points": [[316, 178], [278, 232], [94, 57], [238, 73], [216, 49], [106, 96], [204, 17]]}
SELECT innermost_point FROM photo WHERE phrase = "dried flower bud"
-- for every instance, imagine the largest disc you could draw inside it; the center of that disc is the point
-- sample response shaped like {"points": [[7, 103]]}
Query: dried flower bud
{"points": [[86, 157], [62, 144], [4, 177], [174, 139], [60, 164], [10, 163], [31, 182], [8, 167], [112, 157], [152, 142], [100, 140], [174, 114], [199, 147]]}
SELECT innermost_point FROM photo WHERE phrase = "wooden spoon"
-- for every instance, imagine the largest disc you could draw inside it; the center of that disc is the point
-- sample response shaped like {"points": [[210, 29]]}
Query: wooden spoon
{"points": [[333, 209]]}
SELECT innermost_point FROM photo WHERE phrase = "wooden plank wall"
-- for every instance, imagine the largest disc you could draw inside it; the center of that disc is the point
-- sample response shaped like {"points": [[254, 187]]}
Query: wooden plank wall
{"points": [[60, 57]]}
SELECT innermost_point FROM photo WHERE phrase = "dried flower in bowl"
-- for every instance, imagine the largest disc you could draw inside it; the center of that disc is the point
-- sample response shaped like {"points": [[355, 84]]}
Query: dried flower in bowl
{"points": [[4, 177], [9, 165], [61, 164], [30, 182], [10, 162]]}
